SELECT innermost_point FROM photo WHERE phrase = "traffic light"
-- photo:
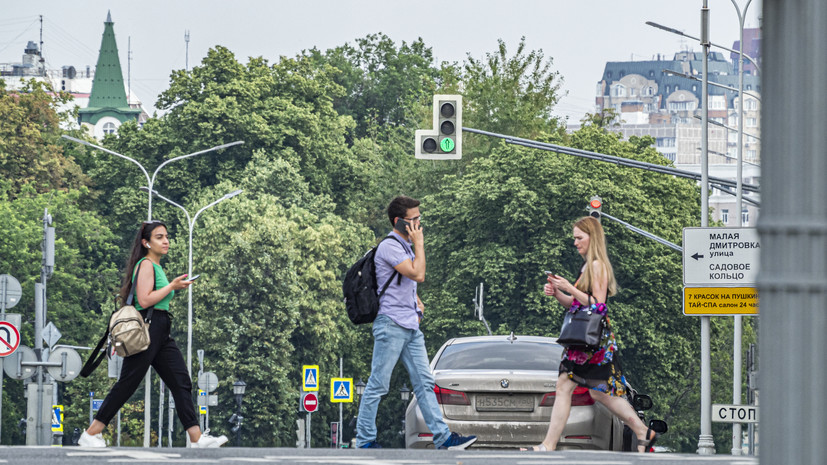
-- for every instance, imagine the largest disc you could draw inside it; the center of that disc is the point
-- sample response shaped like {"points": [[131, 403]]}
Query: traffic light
{"points": [[444, 141], [595, 206]]}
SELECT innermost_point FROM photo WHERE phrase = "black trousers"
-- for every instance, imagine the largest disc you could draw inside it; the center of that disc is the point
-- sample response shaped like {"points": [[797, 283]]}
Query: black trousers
{"points": [[163, 355]]}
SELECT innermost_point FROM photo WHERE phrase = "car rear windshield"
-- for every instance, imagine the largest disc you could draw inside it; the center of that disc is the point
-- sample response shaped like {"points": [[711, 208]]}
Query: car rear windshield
{"points": [[500, 356]]}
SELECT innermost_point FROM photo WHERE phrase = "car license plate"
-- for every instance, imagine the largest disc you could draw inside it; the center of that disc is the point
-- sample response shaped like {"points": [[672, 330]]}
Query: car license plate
{"points": [[505, 403]]}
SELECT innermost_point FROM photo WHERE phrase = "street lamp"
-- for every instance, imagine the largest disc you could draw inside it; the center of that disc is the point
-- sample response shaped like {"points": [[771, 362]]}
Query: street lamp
{"points": [[715, 84], [191, 226], [713, 44], [150, 182], [238, 391], [405, 392], [360, 387]]}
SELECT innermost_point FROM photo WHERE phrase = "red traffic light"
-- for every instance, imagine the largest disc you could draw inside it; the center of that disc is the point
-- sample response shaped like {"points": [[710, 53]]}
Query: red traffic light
{"points": [[595, 203]]}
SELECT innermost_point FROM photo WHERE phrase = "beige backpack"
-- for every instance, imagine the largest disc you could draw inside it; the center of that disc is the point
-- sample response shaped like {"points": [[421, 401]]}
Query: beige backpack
{"points": [[128, 334]]}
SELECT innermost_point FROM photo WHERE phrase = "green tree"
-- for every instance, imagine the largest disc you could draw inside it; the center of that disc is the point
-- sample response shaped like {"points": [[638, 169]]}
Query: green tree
{"points": [[30, 153], [79, 290]]}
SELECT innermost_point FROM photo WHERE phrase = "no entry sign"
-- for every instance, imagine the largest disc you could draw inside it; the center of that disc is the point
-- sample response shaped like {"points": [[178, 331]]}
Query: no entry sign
{"points": [[310, 402]]}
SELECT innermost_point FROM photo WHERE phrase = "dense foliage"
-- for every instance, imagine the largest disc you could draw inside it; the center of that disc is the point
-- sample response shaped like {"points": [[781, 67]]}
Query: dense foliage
{"points": [[328, 141]]}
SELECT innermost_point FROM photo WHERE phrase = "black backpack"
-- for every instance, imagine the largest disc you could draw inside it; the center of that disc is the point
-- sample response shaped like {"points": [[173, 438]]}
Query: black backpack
{"points": [[359, 287]]}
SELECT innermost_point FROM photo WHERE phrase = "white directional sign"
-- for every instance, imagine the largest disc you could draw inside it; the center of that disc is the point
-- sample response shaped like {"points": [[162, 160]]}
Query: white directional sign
{"points": [[720, 257], [725, 413]]}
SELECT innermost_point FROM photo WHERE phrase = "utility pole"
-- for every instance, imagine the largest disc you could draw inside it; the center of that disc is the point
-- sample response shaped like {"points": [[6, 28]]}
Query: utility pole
{"points": [[792, 281], [129, 71], [706, 444], [187, 53]]}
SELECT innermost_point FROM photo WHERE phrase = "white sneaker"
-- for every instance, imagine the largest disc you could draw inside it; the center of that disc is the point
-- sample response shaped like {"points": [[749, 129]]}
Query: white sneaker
{"points": [[209, 442], [87, 440]]}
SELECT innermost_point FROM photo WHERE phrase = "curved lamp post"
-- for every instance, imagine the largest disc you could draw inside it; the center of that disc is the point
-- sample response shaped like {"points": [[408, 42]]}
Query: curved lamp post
{"points": [[151, 180]]}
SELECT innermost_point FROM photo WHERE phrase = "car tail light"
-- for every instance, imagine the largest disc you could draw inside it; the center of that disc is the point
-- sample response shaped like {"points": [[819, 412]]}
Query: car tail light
{"points": [[450, 397], [425, 435], [579, 397]]}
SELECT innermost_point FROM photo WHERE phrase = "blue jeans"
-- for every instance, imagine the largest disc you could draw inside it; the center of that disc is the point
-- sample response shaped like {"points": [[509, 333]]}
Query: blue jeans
{"points": [[391, 342]]}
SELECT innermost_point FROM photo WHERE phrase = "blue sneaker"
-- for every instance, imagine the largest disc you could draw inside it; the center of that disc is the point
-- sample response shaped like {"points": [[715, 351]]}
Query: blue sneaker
{"points": [[457, 442], [371, 445]]}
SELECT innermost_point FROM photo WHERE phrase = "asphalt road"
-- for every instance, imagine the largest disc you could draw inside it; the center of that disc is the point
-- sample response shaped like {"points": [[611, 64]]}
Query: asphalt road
{"points": [[231, 455]]}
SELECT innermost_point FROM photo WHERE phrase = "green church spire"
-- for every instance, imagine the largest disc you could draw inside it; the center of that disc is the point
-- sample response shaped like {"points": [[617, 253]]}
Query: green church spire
{"points": [[108, 97]]}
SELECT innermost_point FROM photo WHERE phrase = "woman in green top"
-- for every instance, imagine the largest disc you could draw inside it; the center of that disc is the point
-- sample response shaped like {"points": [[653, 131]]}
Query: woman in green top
{"points": [[153, 290]]}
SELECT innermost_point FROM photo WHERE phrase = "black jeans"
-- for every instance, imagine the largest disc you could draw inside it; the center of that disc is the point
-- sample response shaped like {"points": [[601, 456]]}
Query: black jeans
{"points": [[163, 355]]}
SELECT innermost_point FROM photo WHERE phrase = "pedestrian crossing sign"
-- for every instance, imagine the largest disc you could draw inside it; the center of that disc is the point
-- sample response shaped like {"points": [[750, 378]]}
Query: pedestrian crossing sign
{"points": [[57, 418], [341, 390], [310, 378]]}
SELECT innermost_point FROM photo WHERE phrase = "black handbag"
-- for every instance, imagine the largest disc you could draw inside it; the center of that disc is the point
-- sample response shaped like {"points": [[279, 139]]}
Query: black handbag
{"points": [[582, 328]]}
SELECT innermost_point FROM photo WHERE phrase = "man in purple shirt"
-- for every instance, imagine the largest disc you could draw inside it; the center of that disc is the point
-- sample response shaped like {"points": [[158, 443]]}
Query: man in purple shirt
{"points": [[396, 331]]}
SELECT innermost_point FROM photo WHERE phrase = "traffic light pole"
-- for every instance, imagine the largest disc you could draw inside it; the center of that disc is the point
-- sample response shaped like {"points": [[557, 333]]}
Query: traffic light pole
{"points": [[717, 182], [643, 233]]}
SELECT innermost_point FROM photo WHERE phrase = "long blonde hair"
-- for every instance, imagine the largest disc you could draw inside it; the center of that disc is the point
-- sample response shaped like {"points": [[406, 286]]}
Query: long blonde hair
{"points": [[596, 251]]}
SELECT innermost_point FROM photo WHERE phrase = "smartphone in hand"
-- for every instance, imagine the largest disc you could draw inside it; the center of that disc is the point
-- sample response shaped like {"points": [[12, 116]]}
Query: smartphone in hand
{"points": [[400, 226], [193, 278]]}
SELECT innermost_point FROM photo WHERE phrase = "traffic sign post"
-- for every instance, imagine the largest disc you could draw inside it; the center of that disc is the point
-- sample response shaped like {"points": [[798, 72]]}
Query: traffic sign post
{"points": [[309, 404], [720, 268], [726, 413], [341, 389], [716, 301], [310, 377], [9, 338], [718, 257]]}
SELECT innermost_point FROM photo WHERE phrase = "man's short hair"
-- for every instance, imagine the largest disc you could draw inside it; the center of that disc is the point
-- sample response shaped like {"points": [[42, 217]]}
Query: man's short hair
{"points": [[399, 207]]}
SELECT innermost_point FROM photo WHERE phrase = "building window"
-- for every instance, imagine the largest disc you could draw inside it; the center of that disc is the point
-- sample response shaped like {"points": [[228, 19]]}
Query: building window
{"points": [[618, 91], [694, 88], [725, 215], [632, 92], [752, 122], [608, 74], [109, 128], [681, 106], [744, 217]]}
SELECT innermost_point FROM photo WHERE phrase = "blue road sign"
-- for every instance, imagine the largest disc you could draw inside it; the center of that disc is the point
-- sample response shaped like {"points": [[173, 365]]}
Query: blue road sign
{"points": [[341, 390], [96, 404], [310, 377]]}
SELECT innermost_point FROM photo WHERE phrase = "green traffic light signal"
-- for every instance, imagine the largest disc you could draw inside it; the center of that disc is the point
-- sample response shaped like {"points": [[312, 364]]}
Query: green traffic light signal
{"points": [[447, 145]]}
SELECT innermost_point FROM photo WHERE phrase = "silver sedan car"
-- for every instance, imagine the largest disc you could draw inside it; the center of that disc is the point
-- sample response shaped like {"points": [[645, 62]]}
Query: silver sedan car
{"points": [[501, 389]]}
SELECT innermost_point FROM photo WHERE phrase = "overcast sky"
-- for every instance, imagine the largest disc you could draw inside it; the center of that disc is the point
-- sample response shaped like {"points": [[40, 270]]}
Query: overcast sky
{"points": [[579, 35]]}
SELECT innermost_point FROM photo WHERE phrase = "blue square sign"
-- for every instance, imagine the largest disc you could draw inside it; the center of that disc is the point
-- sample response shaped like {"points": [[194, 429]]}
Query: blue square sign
{"points": [[310, 378]]}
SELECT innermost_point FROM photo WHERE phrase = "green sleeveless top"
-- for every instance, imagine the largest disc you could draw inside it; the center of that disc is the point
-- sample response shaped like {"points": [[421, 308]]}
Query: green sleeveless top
{"points": [[160, 281]]}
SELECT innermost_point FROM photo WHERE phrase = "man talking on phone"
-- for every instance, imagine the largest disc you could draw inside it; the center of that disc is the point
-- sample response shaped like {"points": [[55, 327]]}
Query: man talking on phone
{"points": [[396, 331]]}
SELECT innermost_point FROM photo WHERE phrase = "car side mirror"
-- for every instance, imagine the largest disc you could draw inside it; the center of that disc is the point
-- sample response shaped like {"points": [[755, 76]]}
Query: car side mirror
{"points": [[642, 402], [658, 426]]}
